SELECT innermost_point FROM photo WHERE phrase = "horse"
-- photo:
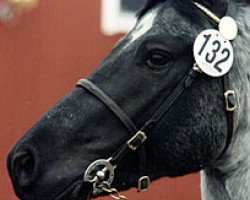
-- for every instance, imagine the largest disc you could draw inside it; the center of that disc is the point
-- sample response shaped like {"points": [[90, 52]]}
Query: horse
{"points": [[89, 144]]}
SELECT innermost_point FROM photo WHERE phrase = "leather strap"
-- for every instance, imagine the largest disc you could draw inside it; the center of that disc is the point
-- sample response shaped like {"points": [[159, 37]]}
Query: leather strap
{"points": [[230, 100], [230, 114], [97, 92], [231, 11], [184, 84], [137, 139]]}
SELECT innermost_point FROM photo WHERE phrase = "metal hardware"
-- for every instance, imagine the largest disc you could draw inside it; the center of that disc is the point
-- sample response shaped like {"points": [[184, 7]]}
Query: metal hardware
{"points": [[101, 175], [99, 171], [113, 193], [230, 100], [141, 136], [197, 68], [207, 12], [140, 187]]}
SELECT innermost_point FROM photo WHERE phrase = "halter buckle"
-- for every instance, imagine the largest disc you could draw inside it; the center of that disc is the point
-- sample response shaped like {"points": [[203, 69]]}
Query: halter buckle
{"points": [[230, 100], [143, 184], [139, 138]]}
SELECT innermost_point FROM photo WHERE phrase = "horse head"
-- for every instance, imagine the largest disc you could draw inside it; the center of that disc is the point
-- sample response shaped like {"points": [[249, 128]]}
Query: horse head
{"points": [[141, 72]]}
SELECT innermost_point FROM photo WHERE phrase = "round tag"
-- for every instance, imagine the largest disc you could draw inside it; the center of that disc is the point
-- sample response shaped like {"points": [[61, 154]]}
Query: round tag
{"points": [[212, 53], [228, 28]]}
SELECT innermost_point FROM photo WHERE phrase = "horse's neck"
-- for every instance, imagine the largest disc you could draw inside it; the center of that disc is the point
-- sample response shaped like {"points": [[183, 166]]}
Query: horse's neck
{"points": [[235, 186], [229, 178]]}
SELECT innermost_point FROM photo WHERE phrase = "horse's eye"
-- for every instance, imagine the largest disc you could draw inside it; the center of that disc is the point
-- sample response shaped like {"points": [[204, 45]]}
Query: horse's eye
{"points": [[158, 58]]}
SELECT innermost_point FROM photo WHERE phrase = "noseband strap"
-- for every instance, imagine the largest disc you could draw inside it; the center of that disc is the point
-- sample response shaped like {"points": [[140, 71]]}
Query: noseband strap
{"points": [[96, 91], [110, 103]]}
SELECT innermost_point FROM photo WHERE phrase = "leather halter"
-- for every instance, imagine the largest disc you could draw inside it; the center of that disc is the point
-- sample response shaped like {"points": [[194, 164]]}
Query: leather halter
{"points": [[139, 136]]}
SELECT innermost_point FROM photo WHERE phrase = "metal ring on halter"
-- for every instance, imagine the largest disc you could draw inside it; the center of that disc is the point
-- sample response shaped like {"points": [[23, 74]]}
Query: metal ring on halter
{"points": [[100, 171]]}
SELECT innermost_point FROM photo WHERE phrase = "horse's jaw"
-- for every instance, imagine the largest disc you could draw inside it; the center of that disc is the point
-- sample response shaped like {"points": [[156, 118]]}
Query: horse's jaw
{"points": [[74, 192]]}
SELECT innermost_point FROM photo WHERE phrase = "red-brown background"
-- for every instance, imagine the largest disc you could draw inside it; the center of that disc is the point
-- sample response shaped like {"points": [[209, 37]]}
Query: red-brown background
{"points": [[40, 60]]}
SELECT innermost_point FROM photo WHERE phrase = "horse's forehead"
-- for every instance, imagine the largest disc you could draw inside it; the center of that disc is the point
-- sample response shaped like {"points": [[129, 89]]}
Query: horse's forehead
{"points": [[144, 25]]}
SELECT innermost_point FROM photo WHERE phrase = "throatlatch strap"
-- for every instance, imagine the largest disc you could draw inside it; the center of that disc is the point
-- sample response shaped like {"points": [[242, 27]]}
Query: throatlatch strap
{"points": [[93, 89]]}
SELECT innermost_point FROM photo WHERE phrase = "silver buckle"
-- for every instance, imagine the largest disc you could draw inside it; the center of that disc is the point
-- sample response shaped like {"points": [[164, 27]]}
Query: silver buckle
{"points": [[140, 181], [139, 134], [230, 94]]}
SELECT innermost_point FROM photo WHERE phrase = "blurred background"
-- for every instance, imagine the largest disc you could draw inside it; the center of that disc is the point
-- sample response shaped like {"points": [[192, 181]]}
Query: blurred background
{"points": [[45, 47]]}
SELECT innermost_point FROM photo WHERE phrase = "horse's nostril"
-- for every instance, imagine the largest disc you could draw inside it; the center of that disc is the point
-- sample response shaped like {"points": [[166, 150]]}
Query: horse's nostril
{"points": [[22, 167]]}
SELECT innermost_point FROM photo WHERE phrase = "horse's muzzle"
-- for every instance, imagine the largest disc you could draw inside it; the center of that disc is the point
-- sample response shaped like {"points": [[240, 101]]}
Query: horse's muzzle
{"points": [[21, 165]]}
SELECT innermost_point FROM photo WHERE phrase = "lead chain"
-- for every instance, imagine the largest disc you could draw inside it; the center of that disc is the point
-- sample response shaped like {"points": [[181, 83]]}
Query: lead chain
{"points": [[113, 193]]}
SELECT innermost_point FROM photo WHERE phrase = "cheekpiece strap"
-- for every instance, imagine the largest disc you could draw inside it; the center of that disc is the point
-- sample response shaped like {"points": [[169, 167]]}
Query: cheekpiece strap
{"points": [[230, 107], [229, 93]]}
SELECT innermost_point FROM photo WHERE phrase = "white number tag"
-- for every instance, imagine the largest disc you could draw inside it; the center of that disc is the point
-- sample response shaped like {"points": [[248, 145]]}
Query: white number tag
{"points": [[212, 53]]}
